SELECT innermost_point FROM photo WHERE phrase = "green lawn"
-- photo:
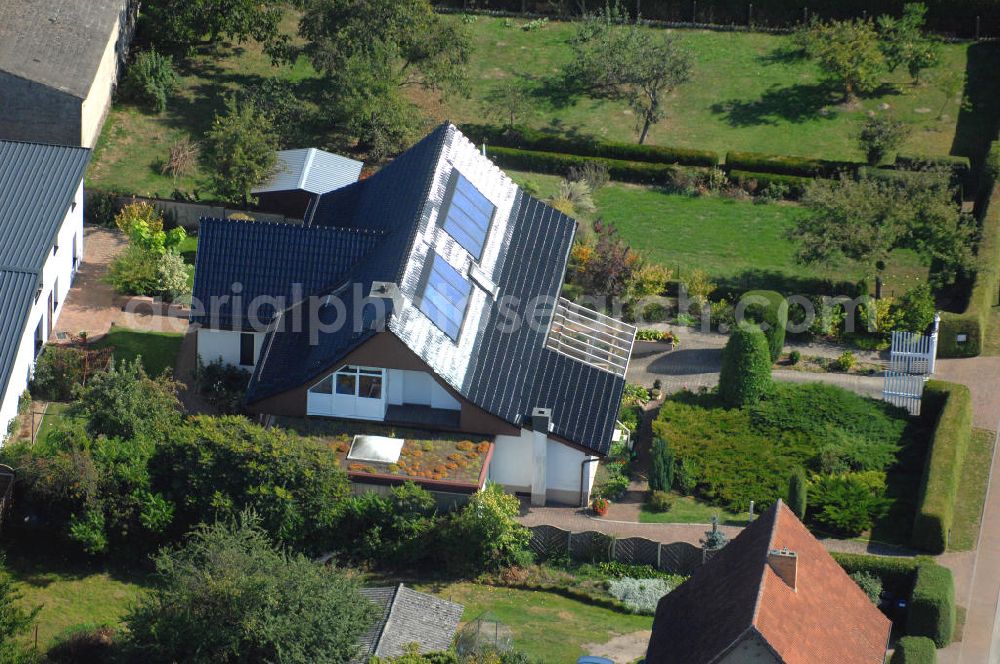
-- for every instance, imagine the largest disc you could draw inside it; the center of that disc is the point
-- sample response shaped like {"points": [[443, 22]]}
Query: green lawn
{"points": [[687, 509], [747, 93], [972, 491], [70, 593], [991, 344], [547, 626], [736, 241], [54, 414], [158, 349]]}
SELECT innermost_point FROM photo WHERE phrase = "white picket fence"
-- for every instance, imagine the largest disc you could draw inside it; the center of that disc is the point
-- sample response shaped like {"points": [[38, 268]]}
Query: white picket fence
{"points": [[911, 363]]}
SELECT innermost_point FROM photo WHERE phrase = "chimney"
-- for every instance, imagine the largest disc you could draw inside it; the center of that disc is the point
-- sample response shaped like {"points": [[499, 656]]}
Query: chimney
{"points": [[785, 564], [541, 424]]}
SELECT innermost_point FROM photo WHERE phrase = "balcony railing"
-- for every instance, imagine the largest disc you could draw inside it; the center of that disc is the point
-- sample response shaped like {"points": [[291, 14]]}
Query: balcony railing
{"points": [[591, 337]]}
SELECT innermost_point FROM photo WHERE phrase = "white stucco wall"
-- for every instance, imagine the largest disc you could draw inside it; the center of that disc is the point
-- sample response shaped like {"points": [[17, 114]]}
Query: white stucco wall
{"points": [[512, 466], [98, 100], [57, 273], [225, 345]]}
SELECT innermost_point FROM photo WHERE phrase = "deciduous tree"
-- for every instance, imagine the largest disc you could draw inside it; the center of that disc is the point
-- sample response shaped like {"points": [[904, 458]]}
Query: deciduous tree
{"points": [[243, 149], [905, 44], [178, 26], [849, 53]]}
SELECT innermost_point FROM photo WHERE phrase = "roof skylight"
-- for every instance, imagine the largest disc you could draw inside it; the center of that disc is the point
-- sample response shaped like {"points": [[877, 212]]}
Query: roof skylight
{"points": [[445, 297], [469, 215], [377, 449]]}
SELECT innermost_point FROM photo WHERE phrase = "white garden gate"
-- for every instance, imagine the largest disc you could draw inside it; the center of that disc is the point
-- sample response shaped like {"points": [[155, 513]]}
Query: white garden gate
{"points": [[911, 363]]}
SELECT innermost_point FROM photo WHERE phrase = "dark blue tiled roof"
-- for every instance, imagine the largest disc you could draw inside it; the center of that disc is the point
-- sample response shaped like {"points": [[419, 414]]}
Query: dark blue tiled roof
{"points": [[510, 372], [269, 260]]}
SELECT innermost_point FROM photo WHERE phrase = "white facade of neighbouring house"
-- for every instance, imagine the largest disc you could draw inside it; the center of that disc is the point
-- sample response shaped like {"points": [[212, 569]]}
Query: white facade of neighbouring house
{"points": [[235, 348], [563, 474], [56, 278]]}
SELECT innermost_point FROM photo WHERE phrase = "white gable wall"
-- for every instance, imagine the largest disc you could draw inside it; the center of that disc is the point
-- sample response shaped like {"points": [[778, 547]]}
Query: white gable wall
{"points": [[224, 345], [95, 106], [514, 466], [57, 274]]}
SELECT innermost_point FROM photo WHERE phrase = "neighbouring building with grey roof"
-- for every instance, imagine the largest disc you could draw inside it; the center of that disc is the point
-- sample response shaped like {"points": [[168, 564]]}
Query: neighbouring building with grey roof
{"points": [[41, 225], [59, 64], [408, 618], [301, 177]]}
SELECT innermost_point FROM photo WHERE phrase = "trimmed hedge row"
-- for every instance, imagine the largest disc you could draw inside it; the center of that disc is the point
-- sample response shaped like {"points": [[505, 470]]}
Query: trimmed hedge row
{"points": [[932, 605], [973, 322], [796, 184], [952, 404], [524, 138], [559, 164], [914, 650], [960, 167], [896, 572], [759, 162]]}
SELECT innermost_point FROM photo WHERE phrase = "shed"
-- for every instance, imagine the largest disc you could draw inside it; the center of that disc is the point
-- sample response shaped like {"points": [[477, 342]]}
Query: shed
{"points": [[301, 176]]}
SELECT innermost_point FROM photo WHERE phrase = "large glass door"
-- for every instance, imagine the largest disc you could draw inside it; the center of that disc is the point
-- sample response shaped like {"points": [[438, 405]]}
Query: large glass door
{"points": [[350, 392]]}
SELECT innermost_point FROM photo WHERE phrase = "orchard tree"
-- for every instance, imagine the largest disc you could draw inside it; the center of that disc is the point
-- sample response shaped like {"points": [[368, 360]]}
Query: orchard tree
{"points": [[228, 595], [849, 53], [509, 101], [630, 63], [242, 148], [866, 219], [880, 136], [178, 26], [370, 50], [905, 44]]}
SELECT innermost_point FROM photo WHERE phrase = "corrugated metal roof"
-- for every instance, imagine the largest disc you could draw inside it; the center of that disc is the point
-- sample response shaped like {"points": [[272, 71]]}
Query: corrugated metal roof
{"points": [[506, 372], [263, 260], [59, 44], [37, 186], [17, 290], [408, 617], [311, 170]]}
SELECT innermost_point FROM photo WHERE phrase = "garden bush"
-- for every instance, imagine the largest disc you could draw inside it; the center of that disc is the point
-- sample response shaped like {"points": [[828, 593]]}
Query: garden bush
{"points": [[731, 456], [223, 385], [746, 367], [661, 471], [639, 595], [951, 404], [758, 162], [560, 164], [524, 138], [659, 501], [794, 185], [870, 584], [960, 167], [769, 309], [57, 371], [897, 573], [844, 362], [932, 605], [914, 650], [798, 493], [847, 504], [150, 79]]}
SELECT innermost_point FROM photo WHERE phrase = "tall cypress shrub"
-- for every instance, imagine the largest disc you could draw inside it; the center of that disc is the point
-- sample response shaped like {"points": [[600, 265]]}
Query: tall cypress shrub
{"points": [[661, 472], [797, 493], [746, 367], [769, 309]]}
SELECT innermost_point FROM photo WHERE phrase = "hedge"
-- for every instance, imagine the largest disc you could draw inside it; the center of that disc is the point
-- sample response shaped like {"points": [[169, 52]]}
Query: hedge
{"points": [[952, 405], [960, 167], [974, 321], [774, 314], [932, 605], [559, 164], [897, 573], [914, 650], [796, 184], [524, 138], [760, 162], [953, 17]]}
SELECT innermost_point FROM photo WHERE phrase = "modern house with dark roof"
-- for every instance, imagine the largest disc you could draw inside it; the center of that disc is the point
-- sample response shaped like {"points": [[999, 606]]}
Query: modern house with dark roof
{"points": [[773, 595], [408, 618], [41, 225], [301, 177], [427, 295], [59, 65]]}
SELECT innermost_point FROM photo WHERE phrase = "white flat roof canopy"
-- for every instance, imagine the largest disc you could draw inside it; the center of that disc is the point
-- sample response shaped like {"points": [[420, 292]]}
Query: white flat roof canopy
{"points": [[376, 449]]}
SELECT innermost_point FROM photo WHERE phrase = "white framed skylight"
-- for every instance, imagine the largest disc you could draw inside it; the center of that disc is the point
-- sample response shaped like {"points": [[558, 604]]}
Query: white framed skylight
{"points": [[468, 215], [445, 296], [375, 449]]}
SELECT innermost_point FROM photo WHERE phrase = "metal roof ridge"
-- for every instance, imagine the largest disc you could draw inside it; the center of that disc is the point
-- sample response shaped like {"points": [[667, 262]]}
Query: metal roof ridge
{"points": [[306, 167]]}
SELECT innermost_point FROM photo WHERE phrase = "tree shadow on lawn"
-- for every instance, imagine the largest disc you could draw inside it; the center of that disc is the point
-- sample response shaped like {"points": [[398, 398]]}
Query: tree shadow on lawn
{"points": [[797, 103]]}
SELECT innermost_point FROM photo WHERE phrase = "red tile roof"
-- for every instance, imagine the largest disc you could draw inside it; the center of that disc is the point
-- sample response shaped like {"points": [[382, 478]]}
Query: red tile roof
{"points": [[825, 619]]}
